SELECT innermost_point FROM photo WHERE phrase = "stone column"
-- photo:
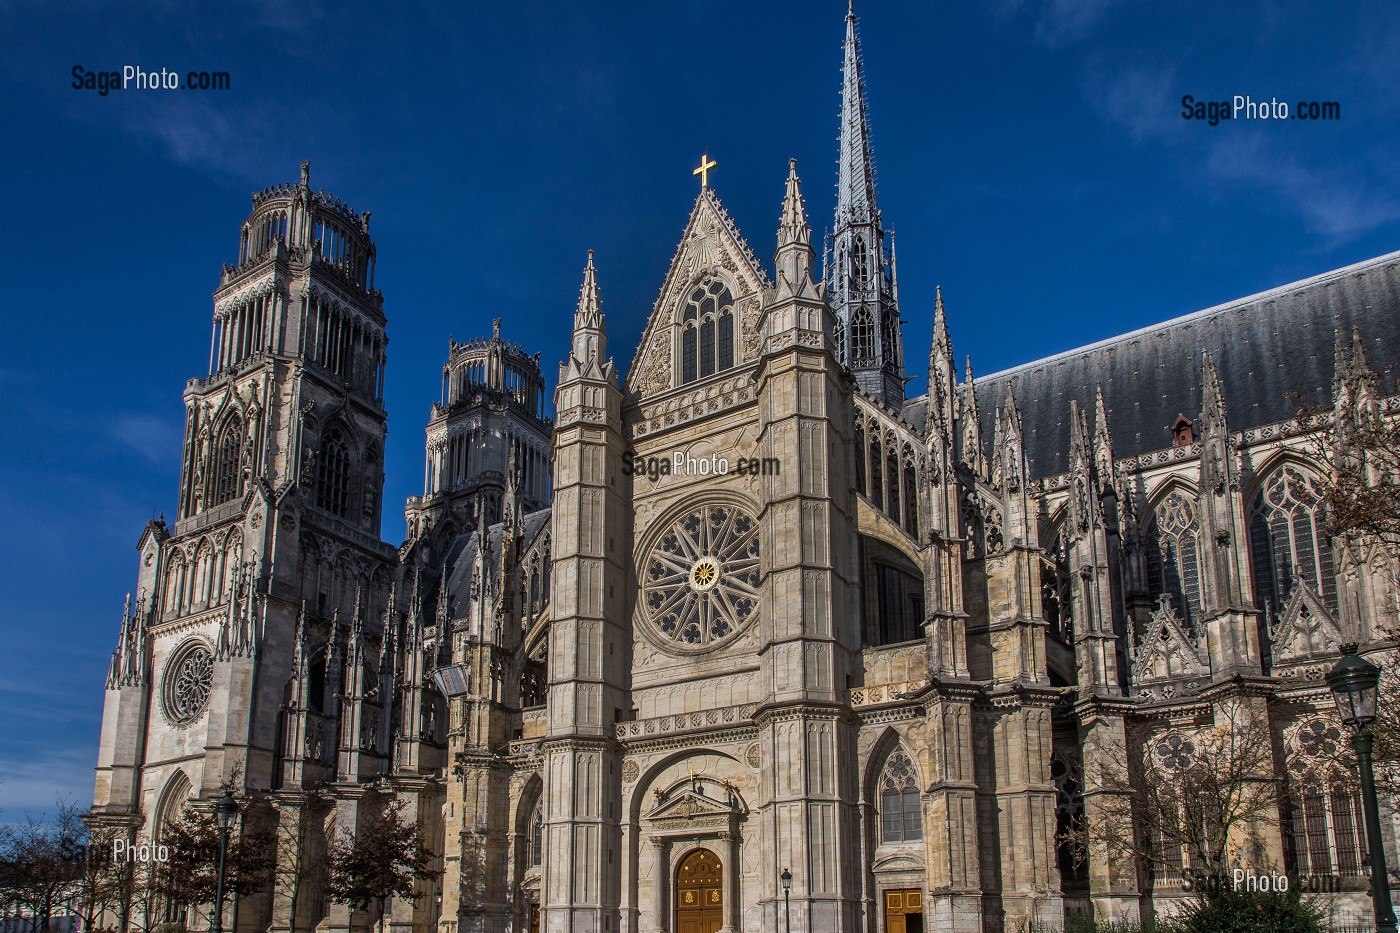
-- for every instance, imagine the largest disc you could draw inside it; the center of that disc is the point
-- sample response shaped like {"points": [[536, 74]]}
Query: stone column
{"points": [[731, 883], [661, 883]]}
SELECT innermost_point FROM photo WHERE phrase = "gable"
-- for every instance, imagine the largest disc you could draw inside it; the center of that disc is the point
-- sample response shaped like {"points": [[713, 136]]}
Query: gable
{"points": [[711, 250]]}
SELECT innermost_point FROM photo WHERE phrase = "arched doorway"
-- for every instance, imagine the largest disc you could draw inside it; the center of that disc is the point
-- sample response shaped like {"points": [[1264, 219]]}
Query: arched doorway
{"points": [[700, 893]]}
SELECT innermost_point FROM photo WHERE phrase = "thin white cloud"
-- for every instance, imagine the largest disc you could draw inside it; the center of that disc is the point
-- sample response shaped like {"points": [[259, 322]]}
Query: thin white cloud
{"points": [[151, 437], [1333, 202], [1144, 101], [1141, 99], [33, 779], [1064, 21]]}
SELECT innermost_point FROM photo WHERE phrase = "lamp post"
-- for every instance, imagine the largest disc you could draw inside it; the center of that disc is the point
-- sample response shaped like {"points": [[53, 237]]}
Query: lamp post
{"points": [[1355, 683], [226, 812], [786, 876]]}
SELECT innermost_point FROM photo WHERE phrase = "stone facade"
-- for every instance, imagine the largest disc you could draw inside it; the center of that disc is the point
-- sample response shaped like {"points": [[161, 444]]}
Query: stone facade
{"points": [[622, 689]]}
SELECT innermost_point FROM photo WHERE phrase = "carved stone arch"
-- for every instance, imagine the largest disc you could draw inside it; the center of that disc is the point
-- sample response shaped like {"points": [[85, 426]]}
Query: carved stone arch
{"points": [[204, 571], [1151, 499], [648, 776], [1174, 552], [174, 580], [885, 743], [698, 312], [172, 801], [895, 793], [1275, 460], [536, 637], [1285, 516], [530, 800]]}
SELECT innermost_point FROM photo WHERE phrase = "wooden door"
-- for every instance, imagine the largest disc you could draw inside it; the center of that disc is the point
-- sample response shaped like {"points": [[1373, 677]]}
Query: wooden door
{"points": [[904, 911], [700, 893]]}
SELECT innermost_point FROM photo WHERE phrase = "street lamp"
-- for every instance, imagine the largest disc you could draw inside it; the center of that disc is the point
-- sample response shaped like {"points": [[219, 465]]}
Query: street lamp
{"points": [[1354, 683], [226, 812], [786, 876]]}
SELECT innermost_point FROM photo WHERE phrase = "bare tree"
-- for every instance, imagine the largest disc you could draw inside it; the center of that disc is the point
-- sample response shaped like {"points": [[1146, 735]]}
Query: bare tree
{"points": [[1360, 449], [1189, 800], [41, 862], [301, 856], [99, 884]]}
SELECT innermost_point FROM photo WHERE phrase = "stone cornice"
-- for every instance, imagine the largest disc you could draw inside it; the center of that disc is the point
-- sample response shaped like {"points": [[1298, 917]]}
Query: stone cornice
{"points": [[682, 723]]}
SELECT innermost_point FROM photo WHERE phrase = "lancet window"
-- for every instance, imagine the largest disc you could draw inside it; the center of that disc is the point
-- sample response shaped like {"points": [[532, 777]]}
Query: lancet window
{"points": [[707, 331], [900, 816], [333, 479], [1287, 539], [1173, 554], [228, 477]]}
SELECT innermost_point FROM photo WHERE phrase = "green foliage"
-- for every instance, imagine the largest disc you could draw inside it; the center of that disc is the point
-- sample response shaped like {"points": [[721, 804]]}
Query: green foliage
{"points": [[1219, 908], [1085, 923], [384, 859]]}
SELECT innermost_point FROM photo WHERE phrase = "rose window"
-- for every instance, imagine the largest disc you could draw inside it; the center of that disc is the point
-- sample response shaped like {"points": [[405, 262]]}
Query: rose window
{"points": [[700, 581], [1175, 752], [187, 680]]}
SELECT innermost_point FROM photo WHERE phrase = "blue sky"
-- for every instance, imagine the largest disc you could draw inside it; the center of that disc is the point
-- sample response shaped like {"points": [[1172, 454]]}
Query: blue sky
{"points": [[1031, 157]]}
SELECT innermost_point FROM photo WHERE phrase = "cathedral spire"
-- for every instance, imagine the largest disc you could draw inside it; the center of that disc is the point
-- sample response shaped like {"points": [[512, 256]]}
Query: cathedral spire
{"points": [[855, 194], [860, 278]]}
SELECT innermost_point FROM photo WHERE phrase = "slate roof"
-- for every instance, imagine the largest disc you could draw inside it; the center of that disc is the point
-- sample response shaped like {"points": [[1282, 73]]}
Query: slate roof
{"points": [[1268, 348], [461, 559]]}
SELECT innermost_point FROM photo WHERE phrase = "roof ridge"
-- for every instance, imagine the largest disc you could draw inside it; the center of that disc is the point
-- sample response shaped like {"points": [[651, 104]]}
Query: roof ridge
{"points": [[1224, 307]]}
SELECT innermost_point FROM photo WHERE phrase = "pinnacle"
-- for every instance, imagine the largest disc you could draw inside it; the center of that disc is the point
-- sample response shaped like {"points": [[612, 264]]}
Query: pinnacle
{"points": [[589, 305], [940, 318], [1212, 399], [793, 227], [1358, 352]]}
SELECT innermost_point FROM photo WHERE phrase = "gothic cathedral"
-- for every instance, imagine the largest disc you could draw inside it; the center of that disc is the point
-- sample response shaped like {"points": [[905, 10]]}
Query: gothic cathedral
{"points": [[743, 637]]}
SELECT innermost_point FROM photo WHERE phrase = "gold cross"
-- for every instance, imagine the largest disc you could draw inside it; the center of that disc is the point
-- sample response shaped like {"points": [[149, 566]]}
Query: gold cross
{"points": [[706, 163]]}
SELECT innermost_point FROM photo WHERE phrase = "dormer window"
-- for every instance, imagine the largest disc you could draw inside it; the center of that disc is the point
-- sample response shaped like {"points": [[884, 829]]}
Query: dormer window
{"points": [[707, 331], [1183, 432]]}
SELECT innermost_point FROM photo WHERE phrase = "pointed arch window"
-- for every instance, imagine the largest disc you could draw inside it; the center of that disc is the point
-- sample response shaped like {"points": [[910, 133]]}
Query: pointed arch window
{"points": [[900, 817], [911, 494], [1287, 538], [862, 336], [707, 333], [889, 338], [1173, 555], [228, 477], [1324, 825], [333, 475], [860, 263], [537, 835], [877, 486], [860, 460], [689, 352]]}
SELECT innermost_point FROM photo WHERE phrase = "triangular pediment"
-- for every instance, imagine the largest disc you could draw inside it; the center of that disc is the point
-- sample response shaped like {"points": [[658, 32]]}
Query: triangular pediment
{"points": [[1306, 628], [1167, 650], [689, 805], [710, 247]]}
